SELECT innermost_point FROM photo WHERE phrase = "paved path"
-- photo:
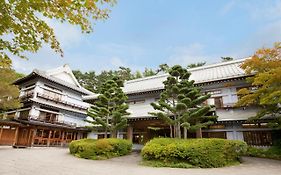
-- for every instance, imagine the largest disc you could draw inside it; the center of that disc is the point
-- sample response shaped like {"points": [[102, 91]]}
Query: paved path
{"points": [[57, 161]]}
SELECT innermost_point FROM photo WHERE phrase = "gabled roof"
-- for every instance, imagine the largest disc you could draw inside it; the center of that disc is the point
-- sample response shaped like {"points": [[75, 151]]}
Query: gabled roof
{"points": [[61, 75], [203, 74], [64, 73]]}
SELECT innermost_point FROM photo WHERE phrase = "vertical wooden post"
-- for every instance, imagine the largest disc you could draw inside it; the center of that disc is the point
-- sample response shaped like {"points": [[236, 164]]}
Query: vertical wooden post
{"points": [[130, 133], [1, 131], [71, 136], [199, 133], [16, 135], [49, 137], [62, 139], [33, 136]]}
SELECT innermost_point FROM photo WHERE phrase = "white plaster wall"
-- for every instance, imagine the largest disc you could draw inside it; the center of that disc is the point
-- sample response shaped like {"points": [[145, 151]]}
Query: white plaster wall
{"points": [[71, 119], [33, 112], [230, 135], [141, 109], [65, 77], [92, 135]]}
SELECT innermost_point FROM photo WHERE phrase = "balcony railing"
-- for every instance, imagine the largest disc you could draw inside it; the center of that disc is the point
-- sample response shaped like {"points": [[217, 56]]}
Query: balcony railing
{"points": [[26, 95], [59, 100], [56, 121]]}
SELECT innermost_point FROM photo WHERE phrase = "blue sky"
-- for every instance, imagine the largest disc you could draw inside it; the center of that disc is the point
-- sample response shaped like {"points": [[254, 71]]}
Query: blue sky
{"points": [[146, 33]]}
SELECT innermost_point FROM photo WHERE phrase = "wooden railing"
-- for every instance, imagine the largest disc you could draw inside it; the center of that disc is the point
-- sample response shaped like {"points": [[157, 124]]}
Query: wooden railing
{"points": [[59, 100]]}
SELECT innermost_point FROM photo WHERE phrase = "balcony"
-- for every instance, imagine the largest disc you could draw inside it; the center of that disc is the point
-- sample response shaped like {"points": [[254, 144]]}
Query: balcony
{"points": [[26, 95], [62, 99]]}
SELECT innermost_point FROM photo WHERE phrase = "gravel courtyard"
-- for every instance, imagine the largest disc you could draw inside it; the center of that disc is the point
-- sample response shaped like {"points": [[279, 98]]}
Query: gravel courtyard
{"points": [[57, 161]]}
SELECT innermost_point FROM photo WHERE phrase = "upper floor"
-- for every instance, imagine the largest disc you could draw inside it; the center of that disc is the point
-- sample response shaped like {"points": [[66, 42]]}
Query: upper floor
{"points": [[222, 81], [57, 87]]}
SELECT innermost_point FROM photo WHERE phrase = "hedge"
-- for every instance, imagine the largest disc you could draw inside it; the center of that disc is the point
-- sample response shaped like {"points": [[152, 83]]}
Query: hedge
{"points": [[271, 153], [204, 153], [100, 149]]}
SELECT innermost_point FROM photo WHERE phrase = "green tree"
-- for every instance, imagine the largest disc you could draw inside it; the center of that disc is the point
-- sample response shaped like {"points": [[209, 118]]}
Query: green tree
{"points": [[110, 109], [193, 65], [181, 104], [265, 65], [163, 68], [22, 27], [138, 75], [9, 93], [224, 59], [88, 79], [148, 72], [125, 73]]}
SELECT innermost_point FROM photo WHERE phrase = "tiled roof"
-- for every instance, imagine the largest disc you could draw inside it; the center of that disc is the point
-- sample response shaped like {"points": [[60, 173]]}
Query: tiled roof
{"points": [[203, 74], [43, 74]]}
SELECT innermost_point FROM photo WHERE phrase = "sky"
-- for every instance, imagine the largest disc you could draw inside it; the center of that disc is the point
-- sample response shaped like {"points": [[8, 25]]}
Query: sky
{"points": [[147, 33]]}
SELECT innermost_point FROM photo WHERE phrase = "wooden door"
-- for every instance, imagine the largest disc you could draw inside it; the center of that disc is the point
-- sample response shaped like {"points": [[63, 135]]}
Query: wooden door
{"points": [[7, 135], [24, 137]]}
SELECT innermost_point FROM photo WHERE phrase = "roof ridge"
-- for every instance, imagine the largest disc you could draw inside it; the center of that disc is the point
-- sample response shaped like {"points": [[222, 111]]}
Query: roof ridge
{"points": [[218, 64], [146, 78], [191, 69]]}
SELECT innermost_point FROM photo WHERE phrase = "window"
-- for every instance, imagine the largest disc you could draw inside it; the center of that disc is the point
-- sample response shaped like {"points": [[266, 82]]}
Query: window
{"points": [[135, 102], [221, 135], [52, 88], [214, 92], [217, 101]]}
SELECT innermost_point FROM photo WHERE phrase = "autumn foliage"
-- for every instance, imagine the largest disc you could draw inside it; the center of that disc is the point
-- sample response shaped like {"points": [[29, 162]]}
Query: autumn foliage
{"points": [[265, 65]]}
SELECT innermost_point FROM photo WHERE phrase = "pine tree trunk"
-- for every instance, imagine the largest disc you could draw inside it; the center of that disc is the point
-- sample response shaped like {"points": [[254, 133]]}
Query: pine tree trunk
{"points": [[105, 133], [114, 134], [184, 133], [175, 131], [171, 131], [179, 130], [199, 133]]}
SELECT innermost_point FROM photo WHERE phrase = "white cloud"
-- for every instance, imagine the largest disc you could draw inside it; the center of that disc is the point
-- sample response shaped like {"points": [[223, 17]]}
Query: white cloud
{"points": [[227, 7], [185, 55], [68, 35], [264, 10]]}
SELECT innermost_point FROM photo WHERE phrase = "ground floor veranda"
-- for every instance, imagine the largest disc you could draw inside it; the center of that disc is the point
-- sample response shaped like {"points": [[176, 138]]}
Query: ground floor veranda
{"points": [[26, 134], [141, 130]]}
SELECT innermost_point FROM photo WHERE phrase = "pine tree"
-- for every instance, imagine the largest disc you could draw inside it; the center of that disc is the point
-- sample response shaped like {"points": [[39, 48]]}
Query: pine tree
{"points": [[181, 104], [148, 72], [110, 109]]}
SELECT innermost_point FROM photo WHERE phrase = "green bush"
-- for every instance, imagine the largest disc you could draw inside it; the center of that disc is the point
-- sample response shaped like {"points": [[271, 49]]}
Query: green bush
{"points": [[205, 153], [100, 149], [271, 153]]}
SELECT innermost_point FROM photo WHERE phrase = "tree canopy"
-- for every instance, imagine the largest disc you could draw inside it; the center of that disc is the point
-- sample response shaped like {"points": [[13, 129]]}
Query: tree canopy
{"points": [[9, 93], [193, 65], [181, 104], [22, 27], [224, 59], [265, 65], [110, 109]]}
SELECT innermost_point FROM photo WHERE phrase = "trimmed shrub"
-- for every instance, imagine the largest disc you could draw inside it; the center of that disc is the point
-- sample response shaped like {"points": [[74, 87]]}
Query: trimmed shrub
{"points": [[271, 153], [205, 153], [100, 149]]}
